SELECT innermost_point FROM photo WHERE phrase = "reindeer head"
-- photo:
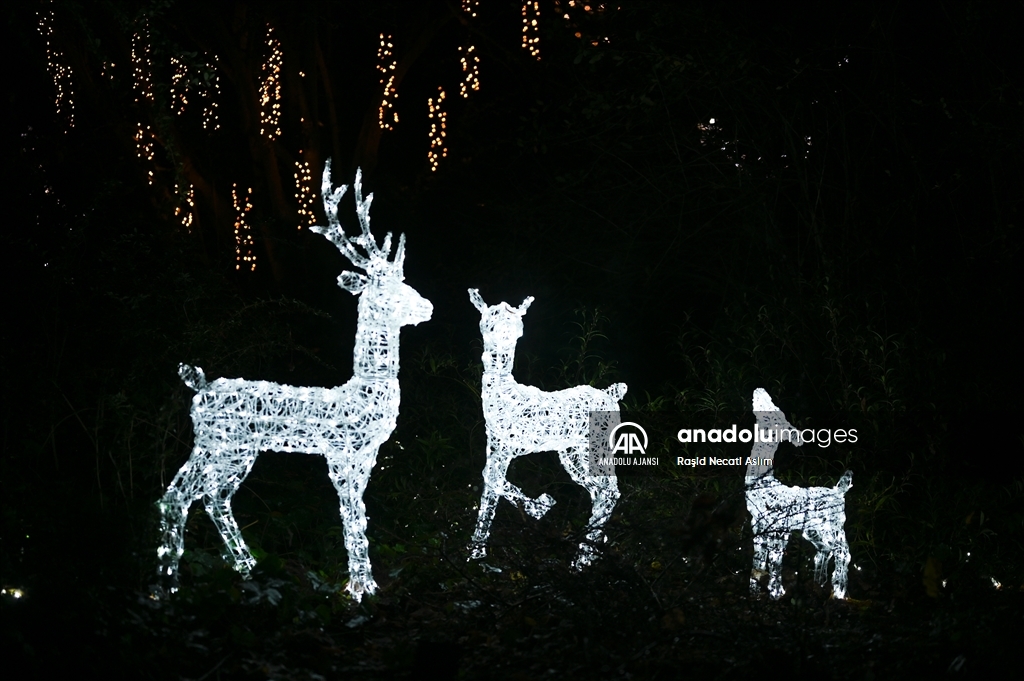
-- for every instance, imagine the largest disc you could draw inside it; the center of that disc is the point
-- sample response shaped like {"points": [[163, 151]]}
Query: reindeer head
{"points": [[387, 301]]}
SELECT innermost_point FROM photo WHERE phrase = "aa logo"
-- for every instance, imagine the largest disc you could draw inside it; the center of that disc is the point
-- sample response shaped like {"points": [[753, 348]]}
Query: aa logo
{"points": [[628, 441]]}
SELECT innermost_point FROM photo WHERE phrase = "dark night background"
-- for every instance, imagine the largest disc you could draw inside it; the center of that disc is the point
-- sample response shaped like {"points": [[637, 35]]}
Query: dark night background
{"points": [[846, 235]]}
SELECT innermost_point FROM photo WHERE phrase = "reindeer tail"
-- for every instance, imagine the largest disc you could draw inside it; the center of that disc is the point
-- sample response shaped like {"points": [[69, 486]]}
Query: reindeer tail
{"points": [[193, 377], [616, 392], [845, 482]]}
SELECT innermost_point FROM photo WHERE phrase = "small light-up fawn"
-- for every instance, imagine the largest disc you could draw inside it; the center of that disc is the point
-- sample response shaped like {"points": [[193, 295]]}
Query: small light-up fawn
{"points": [[776, 510], [522, 420]]}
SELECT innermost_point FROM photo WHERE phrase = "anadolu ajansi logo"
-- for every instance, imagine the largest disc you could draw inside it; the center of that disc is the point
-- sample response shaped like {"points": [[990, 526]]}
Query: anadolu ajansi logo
{"points": [[627, 442]]}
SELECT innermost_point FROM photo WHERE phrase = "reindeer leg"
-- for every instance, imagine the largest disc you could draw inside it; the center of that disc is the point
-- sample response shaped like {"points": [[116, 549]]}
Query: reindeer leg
{"points": [[350, 477], [604, 494], [183, 490], [217, 499], [760, 567]]}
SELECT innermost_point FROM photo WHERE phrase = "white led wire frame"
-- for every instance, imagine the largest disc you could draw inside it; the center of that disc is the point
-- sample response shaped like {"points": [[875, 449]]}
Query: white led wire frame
{"points": [[819, 513], [235, 419], [522, 420]]}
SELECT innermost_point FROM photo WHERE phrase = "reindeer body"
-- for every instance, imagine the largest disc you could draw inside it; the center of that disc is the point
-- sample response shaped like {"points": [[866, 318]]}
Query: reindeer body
{"points": [[523, 420], [776, 510], [235, 419]]}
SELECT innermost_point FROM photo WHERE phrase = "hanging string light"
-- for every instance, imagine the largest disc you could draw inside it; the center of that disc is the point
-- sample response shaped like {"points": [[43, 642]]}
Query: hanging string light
{"points": [[61, 73], [387, 64], [270, 89], [243, 232], [438, 118], [210, 95], [144, 146], [469, 7], [183, 212], [531, 28], [304, 193], [471, 67], [142, 66], [179, 86]]}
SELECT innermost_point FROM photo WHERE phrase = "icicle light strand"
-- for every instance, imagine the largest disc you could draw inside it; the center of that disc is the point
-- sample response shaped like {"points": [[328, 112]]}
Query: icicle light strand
{"points": [[243, 232], [270, 89], [471, 67], [61, 73], [531, 28], [304, 193], [438, 132], [387, 64]]}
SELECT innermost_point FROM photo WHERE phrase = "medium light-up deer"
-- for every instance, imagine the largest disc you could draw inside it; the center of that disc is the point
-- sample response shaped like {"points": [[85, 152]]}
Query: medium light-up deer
{"points": [[522, 420], [819, 513], [235, 419]]}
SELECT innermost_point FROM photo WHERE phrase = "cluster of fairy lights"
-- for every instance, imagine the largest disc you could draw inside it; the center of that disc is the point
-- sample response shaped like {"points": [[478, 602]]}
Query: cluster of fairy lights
{"points": [[438, 124], [471, 67], [522, 419], [304, 193], [387, 65], [144, 145], [470, 6], [61, 73], [589, 9], [270, 89], [243, 232], [179, 86], [185, 211], [531, 28], [142, 66], [210, 96]]}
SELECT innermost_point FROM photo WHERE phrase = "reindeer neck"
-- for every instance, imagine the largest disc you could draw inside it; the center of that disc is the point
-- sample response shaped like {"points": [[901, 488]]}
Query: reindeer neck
{"points": [[761, 463], [375, 355]]}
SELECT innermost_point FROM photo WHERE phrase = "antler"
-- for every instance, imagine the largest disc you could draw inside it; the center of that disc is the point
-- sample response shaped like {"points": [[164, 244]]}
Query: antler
{"points": [[336, 234]]}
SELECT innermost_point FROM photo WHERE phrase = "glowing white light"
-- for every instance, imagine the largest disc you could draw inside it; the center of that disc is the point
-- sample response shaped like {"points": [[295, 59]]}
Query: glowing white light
{"points": [[438, 129], [270, 89], [235, 419], [210, 95], [996, 583], [13, 593], [470, 6], [819, 513], [59, 72], [522, 420]]}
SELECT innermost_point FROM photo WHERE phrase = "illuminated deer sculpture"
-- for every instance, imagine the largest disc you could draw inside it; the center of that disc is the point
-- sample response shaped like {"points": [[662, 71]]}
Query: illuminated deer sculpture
{"points": [[776, 510], [522, 420], [235, 419]]}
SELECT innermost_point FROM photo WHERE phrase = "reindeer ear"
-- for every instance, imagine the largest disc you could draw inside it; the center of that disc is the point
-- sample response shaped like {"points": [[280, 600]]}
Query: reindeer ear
{"points": [[352, 282], [521, 310], [478, 302]]}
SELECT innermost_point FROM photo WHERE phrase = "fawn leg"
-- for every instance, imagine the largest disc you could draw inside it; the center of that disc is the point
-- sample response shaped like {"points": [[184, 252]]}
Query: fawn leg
{"points": [[604, 494], [217, 497], [777, 542], [494, 482], [350, 477], [842, 556], [760, 567]]}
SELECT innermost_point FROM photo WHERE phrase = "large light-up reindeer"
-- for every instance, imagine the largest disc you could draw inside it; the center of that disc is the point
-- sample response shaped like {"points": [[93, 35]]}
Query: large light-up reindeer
{"points": [[819, 513], [522, 420], [235, 419]]}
